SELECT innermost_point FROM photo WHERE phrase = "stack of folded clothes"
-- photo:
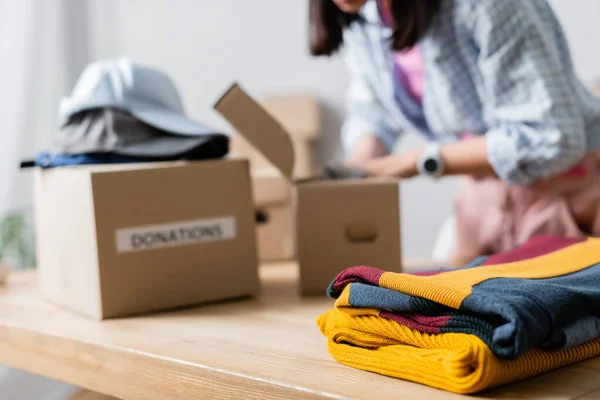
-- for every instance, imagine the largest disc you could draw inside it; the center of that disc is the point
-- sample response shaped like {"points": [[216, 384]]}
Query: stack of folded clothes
{"points": [[122, 111], [500, 319]]}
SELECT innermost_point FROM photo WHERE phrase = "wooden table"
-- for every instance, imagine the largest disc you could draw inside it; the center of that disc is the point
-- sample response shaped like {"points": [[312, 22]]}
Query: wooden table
{"points": [[266, 348]]}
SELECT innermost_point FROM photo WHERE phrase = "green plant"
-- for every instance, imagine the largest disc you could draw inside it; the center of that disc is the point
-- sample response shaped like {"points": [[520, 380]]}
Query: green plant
{"points": [[16, 240]]}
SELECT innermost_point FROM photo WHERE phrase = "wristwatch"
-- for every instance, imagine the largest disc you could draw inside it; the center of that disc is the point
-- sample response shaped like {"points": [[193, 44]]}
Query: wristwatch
{"points": [[430, 162]]}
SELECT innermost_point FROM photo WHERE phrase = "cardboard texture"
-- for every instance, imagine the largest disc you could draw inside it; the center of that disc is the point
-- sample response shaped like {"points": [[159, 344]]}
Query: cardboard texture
{"points": [[270, 188], [120, 240], [240, 148], [338, 223], [306, 162], [259, 128], [273, 200], [300, 115], [275, 235], [343, 224]]}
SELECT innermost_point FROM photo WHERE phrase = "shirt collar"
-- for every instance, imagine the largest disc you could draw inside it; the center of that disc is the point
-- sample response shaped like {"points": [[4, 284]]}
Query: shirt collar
{"points": [[370, 12]]}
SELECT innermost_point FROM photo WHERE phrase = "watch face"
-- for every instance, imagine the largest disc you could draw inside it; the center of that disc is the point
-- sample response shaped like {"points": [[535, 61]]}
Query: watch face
{"points": [[430, 165]]}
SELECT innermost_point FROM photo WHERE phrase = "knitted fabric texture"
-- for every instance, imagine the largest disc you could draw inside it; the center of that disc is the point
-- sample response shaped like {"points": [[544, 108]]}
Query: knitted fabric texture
{"points": [[455, 362], [501, 318]]}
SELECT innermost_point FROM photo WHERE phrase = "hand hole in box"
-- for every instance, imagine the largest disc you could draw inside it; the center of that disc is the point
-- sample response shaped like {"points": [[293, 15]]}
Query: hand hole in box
{"points": [[261, 217], [361, 232]]}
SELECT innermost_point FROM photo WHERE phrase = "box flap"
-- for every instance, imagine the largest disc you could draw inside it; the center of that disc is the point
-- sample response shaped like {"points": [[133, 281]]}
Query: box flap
{"points": [[259, 127], [298, 113]]}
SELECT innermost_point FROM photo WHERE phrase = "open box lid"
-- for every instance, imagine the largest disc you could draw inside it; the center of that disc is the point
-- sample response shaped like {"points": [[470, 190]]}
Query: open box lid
{"points": [[259, 127], [299, 113]]}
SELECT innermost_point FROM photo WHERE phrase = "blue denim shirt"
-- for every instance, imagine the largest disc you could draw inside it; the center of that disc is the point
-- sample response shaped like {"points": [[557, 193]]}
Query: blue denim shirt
{"points": [[500, 68]]}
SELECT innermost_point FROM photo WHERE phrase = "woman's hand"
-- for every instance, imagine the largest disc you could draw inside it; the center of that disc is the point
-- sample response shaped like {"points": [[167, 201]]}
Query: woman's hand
{"points": [[467, 157], [392, 166]]}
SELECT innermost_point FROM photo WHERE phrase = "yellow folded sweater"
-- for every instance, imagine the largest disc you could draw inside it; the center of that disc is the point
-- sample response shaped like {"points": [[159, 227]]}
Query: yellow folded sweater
{"points": [[455, 362]]}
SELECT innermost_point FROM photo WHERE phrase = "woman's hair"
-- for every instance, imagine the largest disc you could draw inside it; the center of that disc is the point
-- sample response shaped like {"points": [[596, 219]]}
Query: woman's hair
{"points": [[411, 19]]}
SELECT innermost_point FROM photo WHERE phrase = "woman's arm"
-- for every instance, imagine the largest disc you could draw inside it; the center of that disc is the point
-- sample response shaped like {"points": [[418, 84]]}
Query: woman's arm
{"points": [[366, 147], [468, 157], [536, 129], [366, 130]]}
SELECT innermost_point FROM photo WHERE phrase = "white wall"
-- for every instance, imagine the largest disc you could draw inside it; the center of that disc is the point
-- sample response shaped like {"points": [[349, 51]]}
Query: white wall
{"points": [[206, 44], [580, 22]]}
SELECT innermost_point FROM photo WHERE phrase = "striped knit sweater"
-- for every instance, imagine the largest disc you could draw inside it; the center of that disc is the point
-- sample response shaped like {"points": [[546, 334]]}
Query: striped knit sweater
{"points": [[500, 319]]}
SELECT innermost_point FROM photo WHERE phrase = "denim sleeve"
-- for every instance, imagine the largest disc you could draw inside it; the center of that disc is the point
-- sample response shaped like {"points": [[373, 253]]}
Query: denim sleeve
{"points": [[364, 113], [535, 128]]}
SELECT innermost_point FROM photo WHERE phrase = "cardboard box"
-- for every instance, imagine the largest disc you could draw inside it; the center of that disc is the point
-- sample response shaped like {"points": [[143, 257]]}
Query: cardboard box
{"points": [[339, 223], [273, 201], [275, 234], [300, 115], [270, 188], [116, 240]]}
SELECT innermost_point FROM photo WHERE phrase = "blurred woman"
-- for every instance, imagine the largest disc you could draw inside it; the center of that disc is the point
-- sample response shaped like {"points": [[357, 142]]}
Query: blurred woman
{"points": [[490, 84]]}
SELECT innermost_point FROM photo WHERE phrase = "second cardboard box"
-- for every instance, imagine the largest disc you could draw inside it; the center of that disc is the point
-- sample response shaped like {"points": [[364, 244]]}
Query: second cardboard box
{"points": [[339, 223]]}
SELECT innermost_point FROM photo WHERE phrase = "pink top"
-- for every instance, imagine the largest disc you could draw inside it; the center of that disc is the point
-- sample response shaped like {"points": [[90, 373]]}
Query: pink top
{"points": [[410, 70]]}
